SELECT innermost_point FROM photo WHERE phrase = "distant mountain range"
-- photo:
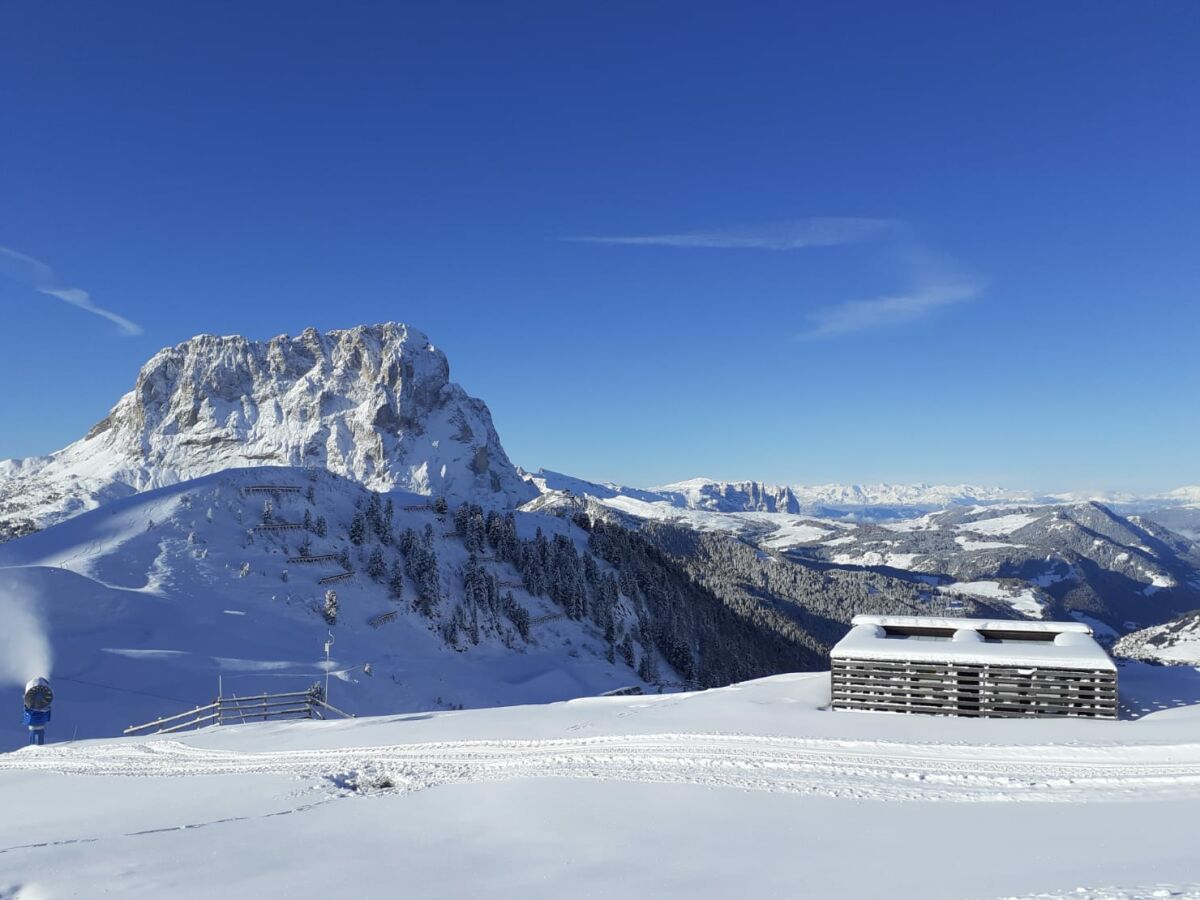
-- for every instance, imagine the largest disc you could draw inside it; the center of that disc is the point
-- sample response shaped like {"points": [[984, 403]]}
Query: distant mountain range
{"points": [[869, 500]]}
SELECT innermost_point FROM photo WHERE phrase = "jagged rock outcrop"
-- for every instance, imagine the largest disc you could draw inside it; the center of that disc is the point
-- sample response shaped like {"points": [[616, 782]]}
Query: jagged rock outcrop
{"points": [[373, 403], [731, 496]]}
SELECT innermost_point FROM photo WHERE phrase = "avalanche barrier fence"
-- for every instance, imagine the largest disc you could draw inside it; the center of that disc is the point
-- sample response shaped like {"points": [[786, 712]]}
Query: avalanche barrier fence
{"points": [[242, 710]]}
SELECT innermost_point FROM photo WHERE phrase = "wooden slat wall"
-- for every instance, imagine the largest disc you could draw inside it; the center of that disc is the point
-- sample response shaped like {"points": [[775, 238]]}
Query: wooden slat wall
{"points": [[956, 689]]}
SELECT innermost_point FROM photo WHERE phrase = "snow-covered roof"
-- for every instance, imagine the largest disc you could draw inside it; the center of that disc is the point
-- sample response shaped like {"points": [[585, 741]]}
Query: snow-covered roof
{"points": [[997, 641], [953, 622]]}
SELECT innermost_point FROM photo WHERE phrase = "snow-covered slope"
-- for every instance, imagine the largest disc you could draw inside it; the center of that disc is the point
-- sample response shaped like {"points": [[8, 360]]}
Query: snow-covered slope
{"points": [[1069, 559], [1173, 643], [755, 790], [373, 403], [147, 600]]}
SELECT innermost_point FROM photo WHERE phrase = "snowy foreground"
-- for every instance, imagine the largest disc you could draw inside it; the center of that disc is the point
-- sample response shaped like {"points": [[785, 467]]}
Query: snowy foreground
{"points": [[749, 791]]}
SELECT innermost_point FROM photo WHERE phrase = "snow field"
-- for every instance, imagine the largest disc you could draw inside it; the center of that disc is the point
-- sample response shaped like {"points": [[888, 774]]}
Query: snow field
{"points": [[618, 797], [1021, 598], [857, 769]]}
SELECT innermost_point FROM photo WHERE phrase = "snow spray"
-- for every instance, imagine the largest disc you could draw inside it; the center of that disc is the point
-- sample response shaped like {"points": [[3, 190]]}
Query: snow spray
{"points": [[24, 649]]}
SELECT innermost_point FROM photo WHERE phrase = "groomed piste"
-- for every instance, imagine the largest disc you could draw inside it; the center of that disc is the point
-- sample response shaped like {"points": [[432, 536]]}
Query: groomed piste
{"points": [[622, 794]]}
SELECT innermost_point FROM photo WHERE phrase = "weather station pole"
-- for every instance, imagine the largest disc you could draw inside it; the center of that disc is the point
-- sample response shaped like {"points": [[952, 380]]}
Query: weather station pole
{"points": [[328, 646]]}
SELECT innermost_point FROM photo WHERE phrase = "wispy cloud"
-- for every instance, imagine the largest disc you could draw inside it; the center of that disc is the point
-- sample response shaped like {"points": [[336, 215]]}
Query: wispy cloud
{"points": [[860, 315], [39, 276], [792, 235], [935, 281]]}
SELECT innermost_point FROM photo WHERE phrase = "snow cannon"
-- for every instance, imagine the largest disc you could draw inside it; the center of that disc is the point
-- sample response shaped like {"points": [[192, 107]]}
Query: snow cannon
{"points": [[38, 697]]}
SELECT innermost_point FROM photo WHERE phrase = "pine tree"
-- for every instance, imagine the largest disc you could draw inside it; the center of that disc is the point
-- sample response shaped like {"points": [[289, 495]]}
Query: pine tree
{"points": [[462, 516], [321, 527], [625, 649], [475, 538], [309, 494], [376, 567], [358, 529], [308, 520], [374, 514], [533, 574], [396, 581], [440, 506], [648, 668], [268, 512], [420, 564], [330, 610], [517, 614], [510, 547], [474, 594]]}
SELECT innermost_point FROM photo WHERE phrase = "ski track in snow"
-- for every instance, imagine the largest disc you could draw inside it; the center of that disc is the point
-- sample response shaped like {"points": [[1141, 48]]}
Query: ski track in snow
{"points": [[849, 769]]}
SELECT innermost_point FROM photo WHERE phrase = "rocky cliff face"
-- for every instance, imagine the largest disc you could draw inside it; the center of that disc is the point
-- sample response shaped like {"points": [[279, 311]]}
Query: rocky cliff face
{"points": [[730, 496], [373, 403]]}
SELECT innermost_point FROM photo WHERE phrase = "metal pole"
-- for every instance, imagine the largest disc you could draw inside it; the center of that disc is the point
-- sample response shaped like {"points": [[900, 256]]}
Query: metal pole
{"points": [[328, 645]]}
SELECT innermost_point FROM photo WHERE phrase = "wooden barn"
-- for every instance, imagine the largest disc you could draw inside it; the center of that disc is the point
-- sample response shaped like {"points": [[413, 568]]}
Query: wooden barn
{"points": [[973, 667]]}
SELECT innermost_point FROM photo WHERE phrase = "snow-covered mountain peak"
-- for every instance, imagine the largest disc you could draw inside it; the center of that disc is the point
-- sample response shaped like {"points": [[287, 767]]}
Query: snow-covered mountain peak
{"points": [[374, 403], [730, 496], [1188, 495]]}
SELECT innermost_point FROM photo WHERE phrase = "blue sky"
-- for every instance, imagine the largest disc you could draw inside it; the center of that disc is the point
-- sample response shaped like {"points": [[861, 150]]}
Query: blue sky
{"points": [[794, 242]]}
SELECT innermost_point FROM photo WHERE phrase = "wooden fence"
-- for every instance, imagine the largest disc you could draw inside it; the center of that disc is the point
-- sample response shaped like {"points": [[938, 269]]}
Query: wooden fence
{"points": [[242, 710], [382, 619]]}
